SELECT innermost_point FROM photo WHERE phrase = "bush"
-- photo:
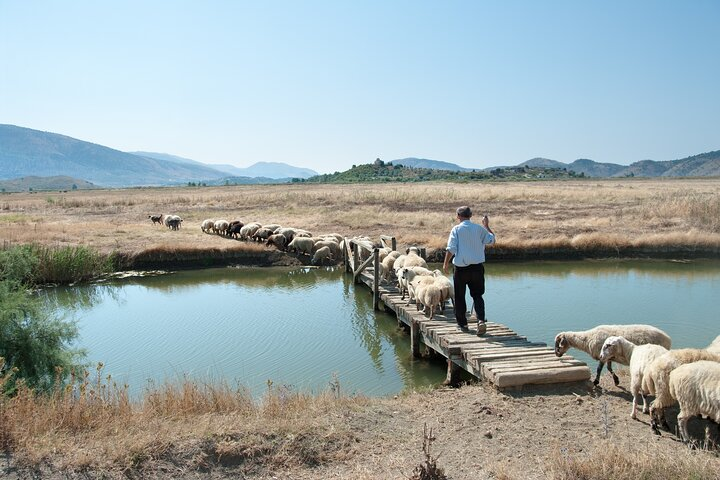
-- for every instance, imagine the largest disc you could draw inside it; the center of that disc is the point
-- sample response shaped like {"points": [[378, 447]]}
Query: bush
{"points": [[34, 345]]}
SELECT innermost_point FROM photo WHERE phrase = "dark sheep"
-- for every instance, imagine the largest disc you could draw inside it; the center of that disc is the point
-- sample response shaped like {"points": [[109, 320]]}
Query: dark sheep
{"points": [[156, 219], [234, 229]]}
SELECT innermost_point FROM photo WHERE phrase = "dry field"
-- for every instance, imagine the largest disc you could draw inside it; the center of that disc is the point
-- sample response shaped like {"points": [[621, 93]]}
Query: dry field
{"points": [[585, 216]]}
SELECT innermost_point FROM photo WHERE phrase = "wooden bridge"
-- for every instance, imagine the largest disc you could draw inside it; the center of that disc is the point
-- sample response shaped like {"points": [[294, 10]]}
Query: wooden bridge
{"points": [[500, 356]]}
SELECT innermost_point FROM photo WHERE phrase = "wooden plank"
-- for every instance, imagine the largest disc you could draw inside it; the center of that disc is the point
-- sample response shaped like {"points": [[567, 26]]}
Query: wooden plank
{"points": [[539, 365], [494, 356], [559, 375], [515, 362]]}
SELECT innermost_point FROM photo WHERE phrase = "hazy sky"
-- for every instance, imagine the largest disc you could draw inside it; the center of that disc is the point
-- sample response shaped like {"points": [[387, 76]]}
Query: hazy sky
{"points": [[328, 84]]}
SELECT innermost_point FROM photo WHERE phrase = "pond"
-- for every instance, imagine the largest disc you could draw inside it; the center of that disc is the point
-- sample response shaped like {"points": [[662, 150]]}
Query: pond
{"points": [[308, 327]]}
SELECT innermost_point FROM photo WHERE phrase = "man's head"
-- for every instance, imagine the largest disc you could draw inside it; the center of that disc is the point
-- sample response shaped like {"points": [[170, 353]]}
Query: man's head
{"points": [[464, 212]]}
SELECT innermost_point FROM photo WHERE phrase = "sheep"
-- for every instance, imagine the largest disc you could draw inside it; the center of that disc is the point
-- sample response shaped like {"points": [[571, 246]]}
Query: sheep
{"points": [[156, 219], [638, 357], [417, 283], [272, 226], [288, 232], [446, 288], [714, 347], [174, 222], [301, 245], [386, 266], [207, 225], [412, 259], [331, 244], [279, 240], [591, 341], [696, 387], [234, 228], [407, 275], [657, 376], [302, 233], [221, 226], [429, 295], [248, 230], [262, 233], [321, 255]]}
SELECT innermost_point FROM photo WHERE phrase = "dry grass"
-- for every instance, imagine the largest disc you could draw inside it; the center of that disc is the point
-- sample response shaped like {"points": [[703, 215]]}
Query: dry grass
{"points": [[196, 426], [581, 214]]}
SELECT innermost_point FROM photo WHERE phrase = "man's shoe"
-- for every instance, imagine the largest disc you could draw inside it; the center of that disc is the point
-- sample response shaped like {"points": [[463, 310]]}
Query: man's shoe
{"points": [[463, 328], [481, 328]]}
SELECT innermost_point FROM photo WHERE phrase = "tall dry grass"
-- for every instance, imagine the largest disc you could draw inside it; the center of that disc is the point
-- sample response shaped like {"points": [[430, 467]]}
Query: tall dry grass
{"points": [[553, 214], [94, 424]]}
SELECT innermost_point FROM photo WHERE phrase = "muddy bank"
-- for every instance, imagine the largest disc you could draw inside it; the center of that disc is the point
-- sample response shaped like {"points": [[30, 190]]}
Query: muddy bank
{"points": [[208, 258]]}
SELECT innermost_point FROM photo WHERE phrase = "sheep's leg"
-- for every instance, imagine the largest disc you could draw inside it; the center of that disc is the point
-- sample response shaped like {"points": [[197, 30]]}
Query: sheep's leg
{"points": [[633, 412], [645, 404], [614, 377], [653, 421], [597, 373], [682, 420]]}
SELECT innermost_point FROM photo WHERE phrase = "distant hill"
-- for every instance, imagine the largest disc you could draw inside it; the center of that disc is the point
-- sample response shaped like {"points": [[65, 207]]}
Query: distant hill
{"points": [[37, 184], [431, 164], [542, 163], [591, 168], [272, 170], [26, 152]]}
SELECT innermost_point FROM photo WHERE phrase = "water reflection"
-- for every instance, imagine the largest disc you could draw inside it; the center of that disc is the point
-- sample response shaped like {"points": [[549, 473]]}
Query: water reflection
{"points": [[302, 326]]}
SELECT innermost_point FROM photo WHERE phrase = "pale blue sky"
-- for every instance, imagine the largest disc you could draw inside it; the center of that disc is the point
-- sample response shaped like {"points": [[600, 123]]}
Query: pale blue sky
{"points": [[328, 84]]}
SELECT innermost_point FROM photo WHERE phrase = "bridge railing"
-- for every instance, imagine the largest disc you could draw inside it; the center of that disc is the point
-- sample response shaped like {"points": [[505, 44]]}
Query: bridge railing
{"points": [[362, 254]]}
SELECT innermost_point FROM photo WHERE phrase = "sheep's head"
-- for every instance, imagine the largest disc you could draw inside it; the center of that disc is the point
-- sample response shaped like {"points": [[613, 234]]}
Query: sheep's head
{"points": [[561, 344], [610, 349]]}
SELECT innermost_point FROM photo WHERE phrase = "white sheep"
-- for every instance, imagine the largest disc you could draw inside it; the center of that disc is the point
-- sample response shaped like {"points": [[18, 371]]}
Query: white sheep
{"points": [[418, 283], [412, 259], [221, 226], [429, 295], [657, 377], [279, 240], [696, 387], [249, 230], [638, 357], [322, 254], [714, 347], [207, 226], [301, 245], [447, 289], [331, 244], [386, 266], [591, 341], [405, 276]]}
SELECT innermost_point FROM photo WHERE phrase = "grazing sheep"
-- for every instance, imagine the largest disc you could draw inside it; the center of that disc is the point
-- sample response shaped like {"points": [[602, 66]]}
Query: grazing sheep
{"points": [[248, 230], [591, 341], [234, 228], [301, 245], [714, 347], [261, 234], [321, 255], [696, 387], [657, 375], [174, 222], [207, 226], [272, 226], [221, 226], [331, 244], [386, 266], [638, 357], [156, 219], [288, 232], [279, 240]]}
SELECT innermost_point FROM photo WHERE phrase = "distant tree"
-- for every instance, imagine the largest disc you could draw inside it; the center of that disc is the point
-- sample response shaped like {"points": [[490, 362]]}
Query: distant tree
{"points": [[74, 186]]}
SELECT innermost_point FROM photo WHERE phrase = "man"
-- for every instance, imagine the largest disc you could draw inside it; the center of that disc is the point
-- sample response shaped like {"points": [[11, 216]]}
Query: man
{"points": [[466, 248]]}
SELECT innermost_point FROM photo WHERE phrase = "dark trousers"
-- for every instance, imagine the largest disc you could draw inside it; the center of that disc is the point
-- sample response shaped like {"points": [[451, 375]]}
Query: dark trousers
{"points": [[473, 277]]}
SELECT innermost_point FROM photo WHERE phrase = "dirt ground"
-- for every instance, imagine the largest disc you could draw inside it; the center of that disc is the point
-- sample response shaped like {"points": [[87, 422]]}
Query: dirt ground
{"points": [[480, 433]]}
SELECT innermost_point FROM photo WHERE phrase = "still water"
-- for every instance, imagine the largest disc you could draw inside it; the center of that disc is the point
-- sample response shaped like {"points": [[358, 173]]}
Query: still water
{"points": [[306, 327]]}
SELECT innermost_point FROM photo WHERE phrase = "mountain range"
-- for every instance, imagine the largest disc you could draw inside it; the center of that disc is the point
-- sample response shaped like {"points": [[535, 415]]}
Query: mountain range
{"points": [[27, 153]]}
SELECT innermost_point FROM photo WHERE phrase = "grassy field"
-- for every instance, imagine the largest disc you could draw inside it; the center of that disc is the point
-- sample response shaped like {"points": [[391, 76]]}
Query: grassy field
{"points": [[529, 217]]}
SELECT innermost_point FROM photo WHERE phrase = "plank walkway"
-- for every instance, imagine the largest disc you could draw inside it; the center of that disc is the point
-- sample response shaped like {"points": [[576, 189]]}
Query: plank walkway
{"points": [[501, 356]]}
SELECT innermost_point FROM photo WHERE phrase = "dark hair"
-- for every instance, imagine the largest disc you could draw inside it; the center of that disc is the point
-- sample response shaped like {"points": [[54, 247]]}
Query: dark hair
{"points": [[464, 212]]}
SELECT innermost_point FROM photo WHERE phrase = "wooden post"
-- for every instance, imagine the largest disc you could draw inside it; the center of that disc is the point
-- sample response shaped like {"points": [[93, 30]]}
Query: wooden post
{"points": [[356, 259], [376, 279], [345, 256], [415, 339], [452, 373], [394, 244]]}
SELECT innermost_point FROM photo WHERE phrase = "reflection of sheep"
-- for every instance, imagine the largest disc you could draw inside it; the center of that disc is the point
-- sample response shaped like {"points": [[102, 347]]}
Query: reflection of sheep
{"points": [[301, 245], [207, 226], [657, 376], [714, 347], [638, 357], [591, 341], [321, 255], [696, 387]]}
